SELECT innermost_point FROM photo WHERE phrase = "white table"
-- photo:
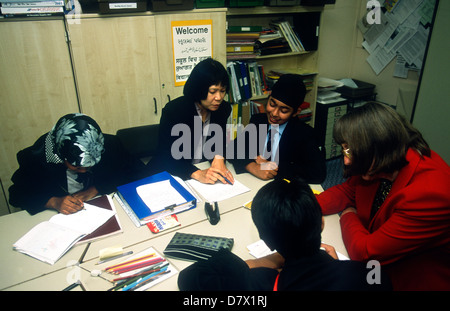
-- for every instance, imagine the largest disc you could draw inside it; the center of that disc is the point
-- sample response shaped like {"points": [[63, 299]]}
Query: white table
{"points": [[21, 272]]}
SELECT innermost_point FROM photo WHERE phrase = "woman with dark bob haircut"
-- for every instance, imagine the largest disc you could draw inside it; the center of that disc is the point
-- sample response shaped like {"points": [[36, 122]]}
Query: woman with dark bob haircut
{"points": [[193, 127], [395, 203]]}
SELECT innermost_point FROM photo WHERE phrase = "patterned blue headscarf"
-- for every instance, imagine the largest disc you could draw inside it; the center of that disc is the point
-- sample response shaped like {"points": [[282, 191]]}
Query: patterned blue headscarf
{"points": [[76, 138]]}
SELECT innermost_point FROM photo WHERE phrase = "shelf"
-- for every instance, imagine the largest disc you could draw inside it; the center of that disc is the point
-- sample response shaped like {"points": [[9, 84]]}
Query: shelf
{"points": [[265, 10]]}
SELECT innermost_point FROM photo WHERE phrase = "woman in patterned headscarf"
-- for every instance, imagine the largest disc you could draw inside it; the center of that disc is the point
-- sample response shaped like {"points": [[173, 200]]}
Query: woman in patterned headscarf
{"points": [[70, 164]]}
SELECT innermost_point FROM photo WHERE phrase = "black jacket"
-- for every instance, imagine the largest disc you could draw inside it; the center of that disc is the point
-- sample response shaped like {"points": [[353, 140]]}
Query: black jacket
{"points": [[300, 155], [319, 272], [182, 111], [36, 181]]}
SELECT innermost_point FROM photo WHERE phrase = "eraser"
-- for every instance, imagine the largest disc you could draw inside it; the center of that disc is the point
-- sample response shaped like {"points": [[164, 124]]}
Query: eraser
{"points": [[109, 252]]}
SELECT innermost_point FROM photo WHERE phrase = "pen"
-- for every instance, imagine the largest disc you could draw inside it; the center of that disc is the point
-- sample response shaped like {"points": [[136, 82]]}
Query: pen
{"points": [[226, 179], [82, 286], [70, 287], [84, 253]]}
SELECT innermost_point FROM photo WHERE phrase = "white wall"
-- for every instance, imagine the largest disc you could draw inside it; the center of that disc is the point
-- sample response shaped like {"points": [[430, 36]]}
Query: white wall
{"points": [[432, 114]]}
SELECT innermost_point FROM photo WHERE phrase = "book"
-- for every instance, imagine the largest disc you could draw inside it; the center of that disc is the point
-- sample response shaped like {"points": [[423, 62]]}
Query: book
{"points": [[44, 3], [257, 29], [153, 197], [240, 48], [48, 241], [110, 227], [33, 10]]}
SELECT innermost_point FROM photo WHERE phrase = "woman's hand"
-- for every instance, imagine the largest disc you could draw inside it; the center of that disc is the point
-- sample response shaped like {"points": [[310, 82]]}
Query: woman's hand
{"points": [[349, 210], [65, 205], [71, 203], [217, 172]]}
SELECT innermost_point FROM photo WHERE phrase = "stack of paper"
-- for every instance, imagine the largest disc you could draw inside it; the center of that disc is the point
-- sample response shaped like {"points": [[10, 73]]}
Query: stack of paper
{"points": [[218, 191]]}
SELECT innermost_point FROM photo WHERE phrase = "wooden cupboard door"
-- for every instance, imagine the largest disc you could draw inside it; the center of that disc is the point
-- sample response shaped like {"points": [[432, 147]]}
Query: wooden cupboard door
{"points": [[36, 86], [116, 66], [165, 46]]}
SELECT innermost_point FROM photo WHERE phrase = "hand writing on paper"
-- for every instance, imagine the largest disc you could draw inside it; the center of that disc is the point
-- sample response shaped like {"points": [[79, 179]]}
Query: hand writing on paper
{"points": [[65, 205], [217, 172], [212, 175], [71, 203]]}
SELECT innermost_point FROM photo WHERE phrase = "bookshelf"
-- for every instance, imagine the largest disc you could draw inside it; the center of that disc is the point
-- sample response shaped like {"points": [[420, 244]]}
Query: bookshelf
{"points": [[305, 21]]}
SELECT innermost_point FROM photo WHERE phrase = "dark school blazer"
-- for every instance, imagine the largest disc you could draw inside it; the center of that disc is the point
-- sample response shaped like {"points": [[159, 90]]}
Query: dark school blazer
{"points": [[183, 111], [300, 154]]}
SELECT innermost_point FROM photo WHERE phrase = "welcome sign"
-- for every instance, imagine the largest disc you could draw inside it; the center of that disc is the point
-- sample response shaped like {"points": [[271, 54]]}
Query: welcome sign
{"points": [[192, 43]]}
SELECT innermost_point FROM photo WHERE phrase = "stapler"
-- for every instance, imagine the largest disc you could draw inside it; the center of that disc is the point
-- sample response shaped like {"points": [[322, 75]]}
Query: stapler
{"points": [[212, 212]]}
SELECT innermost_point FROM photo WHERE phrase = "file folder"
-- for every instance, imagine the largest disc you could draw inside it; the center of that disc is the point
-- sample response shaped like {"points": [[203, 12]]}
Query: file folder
{"points": [[137, 209]]}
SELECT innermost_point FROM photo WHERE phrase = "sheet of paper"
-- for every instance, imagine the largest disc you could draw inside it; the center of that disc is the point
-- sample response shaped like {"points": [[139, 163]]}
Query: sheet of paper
{"points": [[85, 220], [259, 249], [188, 188], [160, 195], [218, 191], [415, 46], [379, 59]]}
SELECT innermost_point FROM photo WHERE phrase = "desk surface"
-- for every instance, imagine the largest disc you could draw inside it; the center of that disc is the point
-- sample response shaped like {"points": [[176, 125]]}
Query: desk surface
{"points": [[21, 272]]}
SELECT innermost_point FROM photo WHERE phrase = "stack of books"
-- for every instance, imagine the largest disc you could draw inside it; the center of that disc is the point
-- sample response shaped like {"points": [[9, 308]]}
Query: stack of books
{"points": [[272, 41], [241, 42], [305, 114], [289, 35], [33, 8]]}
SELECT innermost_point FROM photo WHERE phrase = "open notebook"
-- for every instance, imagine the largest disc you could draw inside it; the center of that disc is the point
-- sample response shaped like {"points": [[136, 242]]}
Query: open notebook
{"points": [[48, 241]]}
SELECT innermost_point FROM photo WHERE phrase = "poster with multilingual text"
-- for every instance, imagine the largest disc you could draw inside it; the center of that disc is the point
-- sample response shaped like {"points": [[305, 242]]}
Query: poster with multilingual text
{"points": [[192, 42]]}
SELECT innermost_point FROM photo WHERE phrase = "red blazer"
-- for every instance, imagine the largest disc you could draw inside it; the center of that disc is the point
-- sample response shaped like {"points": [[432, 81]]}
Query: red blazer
{"points": [[410, 234]]}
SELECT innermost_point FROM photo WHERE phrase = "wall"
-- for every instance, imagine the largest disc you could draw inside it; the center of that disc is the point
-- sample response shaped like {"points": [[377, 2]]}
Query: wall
{"points": [[342, 56], [432, 111]]}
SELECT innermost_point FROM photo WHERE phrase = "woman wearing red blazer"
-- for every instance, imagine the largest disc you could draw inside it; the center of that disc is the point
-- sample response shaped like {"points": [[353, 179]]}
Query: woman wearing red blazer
{"points": [[407, 230]]}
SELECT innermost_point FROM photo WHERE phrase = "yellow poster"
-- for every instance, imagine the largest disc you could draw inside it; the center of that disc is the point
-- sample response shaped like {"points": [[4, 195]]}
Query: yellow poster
{"points": [[192, 42]]}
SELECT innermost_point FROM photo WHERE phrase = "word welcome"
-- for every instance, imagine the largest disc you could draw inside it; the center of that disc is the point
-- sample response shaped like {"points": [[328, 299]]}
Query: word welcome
{"points": [[191, 30]]}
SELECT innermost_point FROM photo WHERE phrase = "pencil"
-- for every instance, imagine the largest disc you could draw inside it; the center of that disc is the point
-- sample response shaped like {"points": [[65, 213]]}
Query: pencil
{"points": [[130, 261], [153, 278], [150, 270], [143, 279], [137, 266]]}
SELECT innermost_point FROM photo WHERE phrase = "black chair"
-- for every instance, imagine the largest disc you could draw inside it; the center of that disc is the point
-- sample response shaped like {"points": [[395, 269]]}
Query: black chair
{"points": [[140, 141]]}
